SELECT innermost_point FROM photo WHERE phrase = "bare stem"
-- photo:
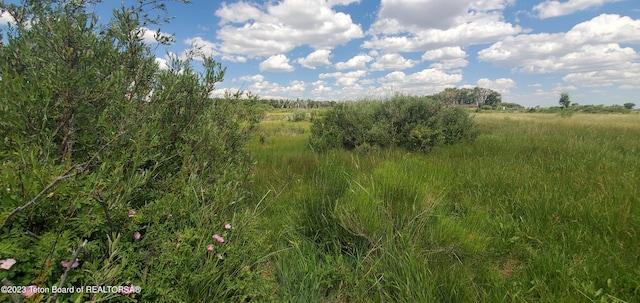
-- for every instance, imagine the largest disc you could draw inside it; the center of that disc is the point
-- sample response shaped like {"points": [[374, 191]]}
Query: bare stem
{"points": [[66, 271]]}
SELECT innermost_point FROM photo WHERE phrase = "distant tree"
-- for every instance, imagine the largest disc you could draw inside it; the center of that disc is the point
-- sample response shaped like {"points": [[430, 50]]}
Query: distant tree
{"points": [[564, 101], [629, 105], [493, 99]]}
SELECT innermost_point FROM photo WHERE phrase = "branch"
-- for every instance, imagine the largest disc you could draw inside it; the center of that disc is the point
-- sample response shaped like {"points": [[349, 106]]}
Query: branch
{"points": [[106, 211], [66, 271], [66, 175]]}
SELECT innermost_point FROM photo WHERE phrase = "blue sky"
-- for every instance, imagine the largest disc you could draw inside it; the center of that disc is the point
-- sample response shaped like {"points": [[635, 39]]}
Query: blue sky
{"points": [[530, 51]]}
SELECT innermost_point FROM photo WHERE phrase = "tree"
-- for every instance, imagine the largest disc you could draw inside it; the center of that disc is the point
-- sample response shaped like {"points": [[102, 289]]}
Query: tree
{"points": [[564, 101], [629, 105]]}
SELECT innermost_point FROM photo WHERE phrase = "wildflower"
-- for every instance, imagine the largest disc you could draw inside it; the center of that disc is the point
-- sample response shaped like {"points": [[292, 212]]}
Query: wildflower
{"points": [[6, 264], [210, 247], [65, 264], [220, 256], [29, 291], [218, 238], [227, 226], [132, 213], [136, 235]]}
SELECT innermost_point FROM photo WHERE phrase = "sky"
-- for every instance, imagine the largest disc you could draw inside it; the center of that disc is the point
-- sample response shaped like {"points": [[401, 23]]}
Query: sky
{"points": [[530, 51]]}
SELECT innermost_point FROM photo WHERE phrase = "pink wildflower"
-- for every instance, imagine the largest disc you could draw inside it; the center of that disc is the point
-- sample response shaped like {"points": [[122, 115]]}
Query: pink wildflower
{"points": [[132, 213], [136, 235], [29, 291], [6, 264], [65, 264], [218, 238], [227, 226], [210, 247]]}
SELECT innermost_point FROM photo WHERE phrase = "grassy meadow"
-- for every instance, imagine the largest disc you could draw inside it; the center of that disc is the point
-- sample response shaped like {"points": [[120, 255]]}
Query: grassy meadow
{"points": [[539, 208]]}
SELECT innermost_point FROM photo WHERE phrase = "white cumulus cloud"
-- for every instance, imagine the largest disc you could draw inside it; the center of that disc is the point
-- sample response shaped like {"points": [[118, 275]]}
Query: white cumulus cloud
{"points": [[589, 51], [276, 63], [278, 27], [427, 81], [344, 79], [358, 62], [404, 25], [501, 85], [392, 62], [315, 59], [553, 8]]}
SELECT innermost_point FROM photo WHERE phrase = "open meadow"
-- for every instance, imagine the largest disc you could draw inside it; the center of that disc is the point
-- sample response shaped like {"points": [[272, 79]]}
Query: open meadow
{"points": [[539, 208]]}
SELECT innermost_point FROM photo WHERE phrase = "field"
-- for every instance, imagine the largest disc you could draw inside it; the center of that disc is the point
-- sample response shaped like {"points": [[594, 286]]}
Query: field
{"points": [[540, 208]]}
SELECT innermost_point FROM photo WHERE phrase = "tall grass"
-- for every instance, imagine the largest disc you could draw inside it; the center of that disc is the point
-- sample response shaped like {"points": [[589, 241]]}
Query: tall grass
{"points": [[540, 208]]}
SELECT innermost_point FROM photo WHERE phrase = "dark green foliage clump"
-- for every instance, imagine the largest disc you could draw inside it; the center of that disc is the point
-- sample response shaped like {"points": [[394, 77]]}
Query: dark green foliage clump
{"points": [[414, 123]]}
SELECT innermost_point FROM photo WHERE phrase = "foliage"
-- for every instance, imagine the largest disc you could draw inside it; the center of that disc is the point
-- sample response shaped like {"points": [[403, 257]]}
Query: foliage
{"points": [[478, 96], [565, 100], [629, 105], [576, 108], [411, 122], [98, 144], [298, 116]]}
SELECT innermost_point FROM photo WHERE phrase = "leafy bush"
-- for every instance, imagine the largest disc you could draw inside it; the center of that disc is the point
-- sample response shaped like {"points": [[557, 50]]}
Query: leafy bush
{"points": [[297, 116], [124, 170], [415, 123]]}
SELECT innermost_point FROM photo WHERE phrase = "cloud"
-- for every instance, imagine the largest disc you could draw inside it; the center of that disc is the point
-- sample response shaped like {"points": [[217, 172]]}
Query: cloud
{"points": [[590, 45], [269, 90], [449, 64], [162, 63], [447, 58], [320, 88], [392, 62], [626, 76], [445, 53], [427, 81], [590, 53], [549, 9], [420, 14], [315, 59], [476, 27], [487, 5], [278, 27], [239, 12], [6, 19], [344, 79], [358, 62], [501, 85], [232, 58], [409, 26], [606, 28], [276, 63]]}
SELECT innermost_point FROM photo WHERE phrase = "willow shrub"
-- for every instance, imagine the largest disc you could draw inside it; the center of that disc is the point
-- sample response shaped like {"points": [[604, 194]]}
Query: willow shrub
{"points": [[415, 123], [118, 169]]}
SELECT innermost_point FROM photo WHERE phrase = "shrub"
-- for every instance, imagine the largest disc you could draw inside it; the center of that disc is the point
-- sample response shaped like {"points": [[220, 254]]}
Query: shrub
{"points": [[297, 116], [415, 123]]}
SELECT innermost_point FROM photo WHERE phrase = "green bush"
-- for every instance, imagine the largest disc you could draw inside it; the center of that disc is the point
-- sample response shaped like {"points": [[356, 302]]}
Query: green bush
{"points": [[298, 116], [415, 123]]}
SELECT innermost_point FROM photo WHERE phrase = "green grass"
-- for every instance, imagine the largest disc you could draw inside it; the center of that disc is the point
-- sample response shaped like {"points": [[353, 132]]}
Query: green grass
{"points": [[540, 208]]}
